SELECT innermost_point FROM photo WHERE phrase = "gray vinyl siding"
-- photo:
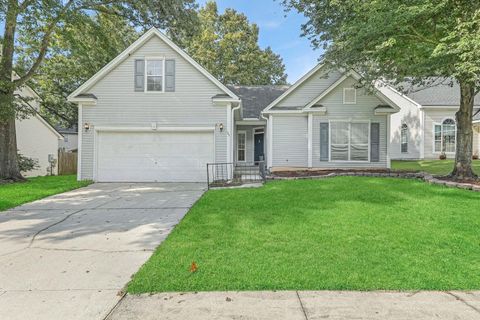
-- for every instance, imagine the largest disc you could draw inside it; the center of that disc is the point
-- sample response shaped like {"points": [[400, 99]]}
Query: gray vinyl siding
{"points": [[363, 110], [119, 105], [311, 88], [432, 117], [290, 141], [476, 141]]}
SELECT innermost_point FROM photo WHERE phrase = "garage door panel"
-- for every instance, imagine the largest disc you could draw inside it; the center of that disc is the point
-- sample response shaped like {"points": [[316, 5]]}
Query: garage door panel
{"points": [[154, 156]]}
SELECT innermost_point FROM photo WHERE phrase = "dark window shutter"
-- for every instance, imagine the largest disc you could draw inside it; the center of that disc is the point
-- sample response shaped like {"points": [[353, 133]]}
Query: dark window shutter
{"points": [[374, 142], [170, 75], [324, 141], [139, 75]]}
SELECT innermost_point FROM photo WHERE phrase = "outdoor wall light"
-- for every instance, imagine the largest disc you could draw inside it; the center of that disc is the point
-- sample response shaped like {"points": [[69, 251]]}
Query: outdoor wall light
{"points": [[220, 126], [86, 126]]}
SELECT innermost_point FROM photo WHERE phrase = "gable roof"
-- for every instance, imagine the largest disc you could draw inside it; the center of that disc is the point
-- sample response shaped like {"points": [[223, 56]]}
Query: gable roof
{"points": [[476, 115], [294, 86], [39, 117], [257, 98], [441, 92], [75, 96]]}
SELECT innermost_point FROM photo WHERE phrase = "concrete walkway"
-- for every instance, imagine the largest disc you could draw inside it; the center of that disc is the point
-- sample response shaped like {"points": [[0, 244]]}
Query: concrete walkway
{"points": [[70, 255], [302, 305]]}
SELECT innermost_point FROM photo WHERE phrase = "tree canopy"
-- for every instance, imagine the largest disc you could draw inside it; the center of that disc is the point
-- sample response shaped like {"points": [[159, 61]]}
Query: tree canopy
{"points": [[227, 45], [415, 40]]}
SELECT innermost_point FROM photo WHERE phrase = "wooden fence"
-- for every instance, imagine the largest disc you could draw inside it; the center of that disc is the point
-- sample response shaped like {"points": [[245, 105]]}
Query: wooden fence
{"points": [[67, 163]]}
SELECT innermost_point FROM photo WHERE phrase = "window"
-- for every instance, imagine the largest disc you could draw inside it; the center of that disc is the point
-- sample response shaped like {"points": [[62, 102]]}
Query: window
{"points": [[349, 96], [349, 141], [445, 135], [404, 138], [155, 74], [241, 143]]}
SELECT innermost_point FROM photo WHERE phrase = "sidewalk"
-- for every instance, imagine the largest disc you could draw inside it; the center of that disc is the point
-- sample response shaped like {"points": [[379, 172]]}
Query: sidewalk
{"points": [[301, 305]]}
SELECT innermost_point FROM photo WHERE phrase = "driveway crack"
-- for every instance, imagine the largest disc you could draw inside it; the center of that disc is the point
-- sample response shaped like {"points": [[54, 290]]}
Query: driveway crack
{"points": [[302, 306], [457, 297]]}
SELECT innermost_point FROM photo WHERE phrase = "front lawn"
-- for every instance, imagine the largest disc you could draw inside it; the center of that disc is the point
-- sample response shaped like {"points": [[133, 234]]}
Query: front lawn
{"points": [[354, 233], [436, 167], [15, 194]]}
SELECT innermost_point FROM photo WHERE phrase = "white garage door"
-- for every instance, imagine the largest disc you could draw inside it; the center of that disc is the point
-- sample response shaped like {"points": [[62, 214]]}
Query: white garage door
{"points": [[154, 156]]}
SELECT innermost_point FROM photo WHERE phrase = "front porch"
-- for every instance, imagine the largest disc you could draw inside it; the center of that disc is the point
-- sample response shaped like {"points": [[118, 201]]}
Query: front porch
{"points": [[249, 144]]}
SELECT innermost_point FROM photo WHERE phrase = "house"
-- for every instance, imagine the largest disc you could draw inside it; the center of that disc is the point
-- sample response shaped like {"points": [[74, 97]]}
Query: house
{"points": [[425, 127], [154, 114], [70, 138], [36, 138]]}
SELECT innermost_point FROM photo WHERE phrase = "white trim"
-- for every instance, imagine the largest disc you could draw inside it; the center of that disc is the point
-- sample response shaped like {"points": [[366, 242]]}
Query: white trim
{"points": [[386, 85], [250, 122], [79, 142], [285, 111], [270, 141], [310, 140], [344, 95], [244, 133], [133, 47], [349, 138], [422, 128], [158, 129], [294, 86], [441, 107], [389, 161]]}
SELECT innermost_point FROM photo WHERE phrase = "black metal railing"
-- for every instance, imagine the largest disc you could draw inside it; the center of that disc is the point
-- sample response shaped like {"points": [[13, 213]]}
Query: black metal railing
{"points": [[233, 174]]}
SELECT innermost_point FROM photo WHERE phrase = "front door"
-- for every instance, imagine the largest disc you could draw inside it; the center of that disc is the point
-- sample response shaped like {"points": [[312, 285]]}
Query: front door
{"points": [[258, 153]]}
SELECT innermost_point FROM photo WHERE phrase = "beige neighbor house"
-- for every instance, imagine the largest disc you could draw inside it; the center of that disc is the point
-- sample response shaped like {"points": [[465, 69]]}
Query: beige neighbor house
{"points": [[36, 138], [154, 114]]}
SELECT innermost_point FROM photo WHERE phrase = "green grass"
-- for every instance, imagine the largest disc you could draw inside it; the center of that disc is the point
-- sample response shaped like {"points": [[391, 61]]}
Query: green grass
{"points": [[14, 194], [436, 167], [354, 233]]}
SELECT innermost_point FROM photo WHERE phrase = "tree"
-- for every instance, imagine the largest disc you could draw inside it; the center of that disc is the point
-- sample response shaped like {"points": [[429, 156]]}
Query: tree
{"points": [[41, 20], [83, 47], [227, 46], [396, 39]]}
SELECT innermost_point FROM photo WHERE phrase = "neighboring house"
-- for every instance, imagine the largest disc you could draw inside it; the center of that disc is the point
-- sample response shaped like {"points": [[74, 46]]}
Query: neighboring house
{"points": [[154, 114], [36, 138], [425, 127], [70, 139]]}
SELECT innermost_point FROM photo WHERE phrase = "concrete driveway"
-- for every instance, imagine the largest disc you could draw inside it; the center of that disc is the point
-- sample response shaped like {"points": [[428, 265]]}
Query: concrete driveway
{"points": [[69, 256]]}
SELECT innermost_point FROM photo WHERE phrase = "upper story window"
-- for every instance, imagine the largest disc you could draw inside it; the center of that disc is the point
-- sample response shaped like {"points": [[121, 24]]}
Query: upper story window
{"points": [[445, 136], [349, 96], [404, 138], [155, 74]]}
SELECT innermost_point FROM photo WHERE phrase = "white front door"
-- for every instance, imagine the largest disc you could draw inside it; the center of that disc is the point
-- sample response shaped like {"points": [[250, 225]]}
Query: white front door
{"points": [[154, 156]]}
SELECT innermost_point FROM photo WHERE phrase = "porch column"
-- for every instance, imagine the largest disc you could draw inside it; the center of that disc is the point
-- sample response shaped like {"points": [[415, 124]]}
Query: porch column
{"points": [[229, 133], [270, 141], [310, 140]]}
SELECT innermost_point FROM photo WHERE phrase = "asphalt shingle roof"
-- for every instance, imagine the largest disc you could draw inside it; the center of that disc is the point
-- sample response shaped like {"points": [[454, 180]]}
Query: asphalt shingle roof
{"points": [[257, 98], [442, 92]]}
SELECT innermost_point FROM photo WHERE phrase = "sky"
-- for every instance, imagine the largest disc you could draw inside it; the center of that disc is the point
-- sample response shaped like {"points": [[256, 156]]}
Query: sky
{"points": [[279, 30]]}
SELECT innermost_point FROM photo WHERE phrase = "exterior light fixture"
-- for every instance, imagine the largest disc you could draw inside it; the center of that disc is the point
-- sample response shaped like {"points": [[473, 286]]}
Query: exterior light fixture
{"points": [[86, 126], [220, 126]]}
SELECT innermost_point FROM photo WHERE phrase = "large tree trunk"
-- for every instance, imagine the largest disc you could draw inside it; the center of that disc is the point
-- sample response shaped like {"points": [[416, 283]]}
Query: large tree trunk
{"points": [[463, 158], [8, 143]]}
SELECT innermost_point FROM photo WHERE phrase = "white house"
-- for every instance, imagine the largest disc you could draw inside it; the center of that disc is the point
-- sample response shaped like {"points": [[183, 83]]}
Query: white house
{"points": [[425, 127], [154, 114]]}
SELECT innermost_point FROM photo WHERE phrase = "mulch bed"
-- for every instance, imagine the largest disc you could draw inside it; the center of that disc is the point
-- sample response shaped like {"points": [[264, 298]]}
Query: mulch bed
{"points": [[472, 182], [316, 173]]}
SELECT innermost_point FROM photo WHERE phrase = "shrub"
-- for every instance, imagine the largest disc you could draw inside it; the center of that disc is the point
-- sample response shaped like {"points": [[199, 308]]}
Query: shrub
{"points": [[26, 164], [443, 156]]}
